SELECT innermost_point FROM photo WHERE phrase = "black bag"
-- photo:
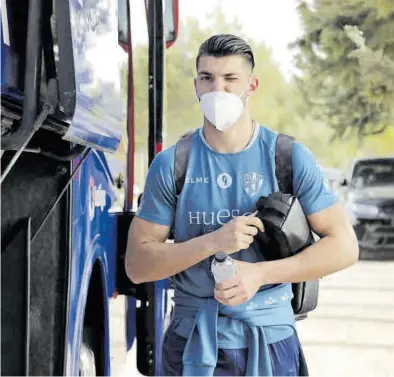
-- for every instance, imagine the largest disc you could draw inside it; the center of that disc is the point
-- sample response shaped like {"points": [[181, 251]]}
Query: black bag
{"points": [[287, 228], [287, 231], [305, 293]]}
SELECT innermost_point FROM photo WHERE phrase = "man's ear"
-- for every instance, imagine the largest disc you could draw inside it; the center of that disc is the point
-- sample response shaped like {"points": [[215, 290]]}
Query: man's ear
{"points": [[254, 85]]}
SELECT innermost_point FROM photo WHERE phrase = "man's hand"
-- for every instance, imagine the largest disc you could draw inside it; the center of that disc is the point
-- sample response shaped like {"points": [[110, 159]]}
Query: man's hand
{"points": [[237, 234], [240, 288]]}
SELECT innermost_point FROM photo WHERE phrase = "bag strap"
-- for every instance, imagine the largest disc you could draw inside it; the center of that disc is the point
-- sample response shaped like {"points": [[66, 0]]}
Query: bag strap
{"points": [[284, 163], [181, 159]]}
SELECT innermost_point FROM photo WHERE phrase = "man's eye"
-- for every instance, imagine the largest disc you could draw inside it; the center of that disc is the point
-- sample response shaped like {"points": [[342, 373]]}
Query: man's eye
{"points": [[232, 79], [205, 78]]}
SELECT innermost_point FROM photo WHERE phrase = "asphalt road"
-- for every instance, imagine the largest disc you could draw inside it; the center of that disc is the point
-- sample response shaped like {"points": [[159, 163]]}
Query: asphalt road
{"points": [[351, 333]]}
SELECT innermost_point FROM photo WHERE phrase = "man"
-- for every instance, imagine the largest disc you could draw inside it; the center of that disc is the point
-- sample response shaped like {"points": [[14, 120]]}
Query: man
{"points": [[244, 325]]}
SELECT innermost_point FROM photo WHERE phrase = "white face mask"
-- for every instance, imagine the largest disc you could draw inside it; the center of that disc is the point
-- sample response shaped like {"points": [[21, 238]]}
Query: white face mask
{"points": [[222, 109]]}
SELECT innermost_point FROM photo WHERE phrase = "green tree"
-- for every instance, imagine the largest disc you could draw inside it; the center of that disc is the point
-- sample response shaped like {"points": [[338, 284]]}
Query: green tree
{"points": [[346, 63], [141, 104]]}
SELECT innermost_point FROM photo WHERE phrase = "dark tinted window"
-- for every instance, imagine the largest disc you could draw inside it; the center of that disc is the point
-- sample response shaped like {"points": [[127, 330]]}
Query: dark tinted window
{"points": [[373, 172], [123, 22]]}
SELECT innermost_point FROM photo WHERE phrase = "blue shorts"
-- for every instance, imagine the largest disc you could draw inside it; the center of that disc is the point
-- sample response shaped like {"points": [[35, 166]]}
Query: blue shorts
{"points": [[286, 357]]}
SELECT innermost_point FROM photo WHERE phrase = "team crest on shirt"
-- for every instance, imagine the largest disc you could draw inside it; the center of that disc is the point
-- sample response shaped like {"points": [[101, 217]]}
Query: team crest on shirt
{"points": [[252, 183]]}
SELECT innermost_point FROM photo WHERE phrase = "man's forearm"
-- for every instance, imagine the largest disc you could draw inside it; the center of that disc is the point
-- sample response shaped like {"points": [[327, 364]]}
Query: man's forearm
{"points": [[156, 261], [327, 256]]}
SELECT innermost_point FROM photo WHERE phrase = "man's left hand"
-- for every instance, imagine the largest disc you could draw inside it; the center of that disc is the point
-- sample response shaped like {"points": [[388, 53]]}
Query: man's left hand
{"points": [[241, 287]]}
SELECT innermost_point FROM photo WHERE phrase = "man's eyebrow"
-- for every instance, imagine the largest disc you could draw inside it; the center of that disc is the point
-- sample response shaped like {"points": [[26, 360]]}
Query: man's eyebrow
{"points": [[206, 73]]}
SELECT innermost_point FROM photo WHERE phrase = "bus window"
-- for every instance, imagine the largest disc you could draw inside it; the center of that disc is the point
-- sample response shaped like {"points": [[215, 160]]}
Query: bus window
{"points": [[123, 23], [140, 51], [118, 161], [170, 21]]}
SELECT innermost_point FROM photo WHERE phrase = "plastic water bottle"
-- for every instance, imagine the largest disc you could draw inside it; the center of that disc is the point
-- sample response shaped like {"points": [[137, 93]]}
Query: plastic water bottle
{"points": [[222, 267]]}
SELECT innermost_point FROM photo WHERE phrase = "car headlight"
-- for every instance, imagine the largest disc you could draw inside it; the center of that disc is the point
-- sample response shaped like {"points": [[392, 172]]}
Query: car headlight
{"points": [[363, 209]]}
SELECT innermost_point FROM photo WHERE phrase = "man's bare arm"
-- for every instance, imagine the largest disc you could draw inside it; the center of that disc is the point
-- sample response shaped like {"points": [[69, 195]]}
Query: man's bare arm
{"points": [[337, 250], [149, 258]]}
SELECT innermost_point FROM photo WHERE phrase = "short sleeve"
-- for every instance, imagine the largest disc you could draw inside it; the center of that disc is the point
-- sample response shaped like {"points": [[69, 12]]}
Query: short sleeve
{"points": [[158, 200], [309, 183]]}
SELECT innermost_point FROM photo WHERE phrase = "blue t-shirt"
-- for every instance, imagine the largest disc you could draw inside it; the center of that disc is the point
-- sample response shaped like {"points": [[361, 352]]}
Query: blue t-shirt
{"points": [[219, 187]]}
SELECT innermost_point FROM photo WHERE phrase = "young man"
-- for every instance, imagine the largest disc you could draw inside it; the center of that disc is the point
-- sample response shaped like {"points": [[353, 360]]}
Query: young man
{"points": [[244, 325]]}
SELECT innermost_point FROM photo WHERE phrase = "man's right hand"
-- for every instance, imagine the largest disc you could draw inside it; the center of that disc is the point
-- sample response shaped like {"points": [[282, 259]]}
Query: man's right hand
{"points": [[237, 234]]}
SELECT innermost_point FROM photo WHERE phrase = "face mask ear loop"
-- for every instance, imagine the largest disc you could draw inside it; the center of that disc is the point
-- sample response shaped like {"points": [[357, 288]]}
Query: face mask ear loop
{"points": [[246, 89]]}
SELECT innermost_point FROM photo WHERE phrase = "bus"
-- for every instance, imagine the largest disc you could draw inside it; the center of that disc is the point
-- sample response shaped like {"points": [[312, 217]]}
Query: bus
{"points": [[67, 177]]}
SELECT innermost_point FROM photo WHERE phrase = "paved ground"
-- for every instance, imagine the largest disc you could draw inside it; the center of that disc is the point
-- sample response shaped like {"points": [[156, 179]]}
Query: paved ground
{"points": [[352, 330], [351, 333]]}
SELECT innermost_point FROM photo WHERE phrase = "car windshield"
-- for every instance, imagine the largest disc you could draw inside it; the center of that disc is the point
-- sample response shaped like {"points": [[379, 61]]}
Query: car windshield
{"points": [[373, 173]]}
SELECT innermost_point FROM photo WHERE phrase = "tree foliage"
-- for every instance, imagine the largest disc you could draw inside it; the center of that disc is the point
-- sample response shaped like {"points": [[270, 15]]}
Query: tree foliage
{"points": [[346, 62]]}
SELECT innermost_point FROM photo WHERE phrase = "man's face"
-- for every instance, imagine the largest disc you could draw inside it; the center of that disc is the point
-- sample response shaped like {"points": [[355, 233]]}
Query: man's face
{"points": [[230, 74]]}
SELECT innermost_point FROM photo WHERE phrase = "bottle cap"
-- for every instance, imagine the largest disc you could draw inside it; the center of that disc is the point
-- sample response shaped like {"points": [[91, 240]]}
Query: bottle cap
{"points": [[220, 256]]}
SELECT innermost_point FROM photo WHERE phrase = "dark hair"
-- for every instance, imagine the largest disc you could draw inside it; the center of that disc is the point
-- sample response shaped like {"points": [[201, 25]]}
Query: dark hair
{"points": [[225, 45]]}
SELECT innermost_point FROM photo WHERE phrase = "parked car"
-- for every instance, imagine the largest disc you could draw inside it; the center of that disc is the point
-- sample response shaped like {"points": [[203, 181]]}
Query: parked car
{"points": [[369, 198]]}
